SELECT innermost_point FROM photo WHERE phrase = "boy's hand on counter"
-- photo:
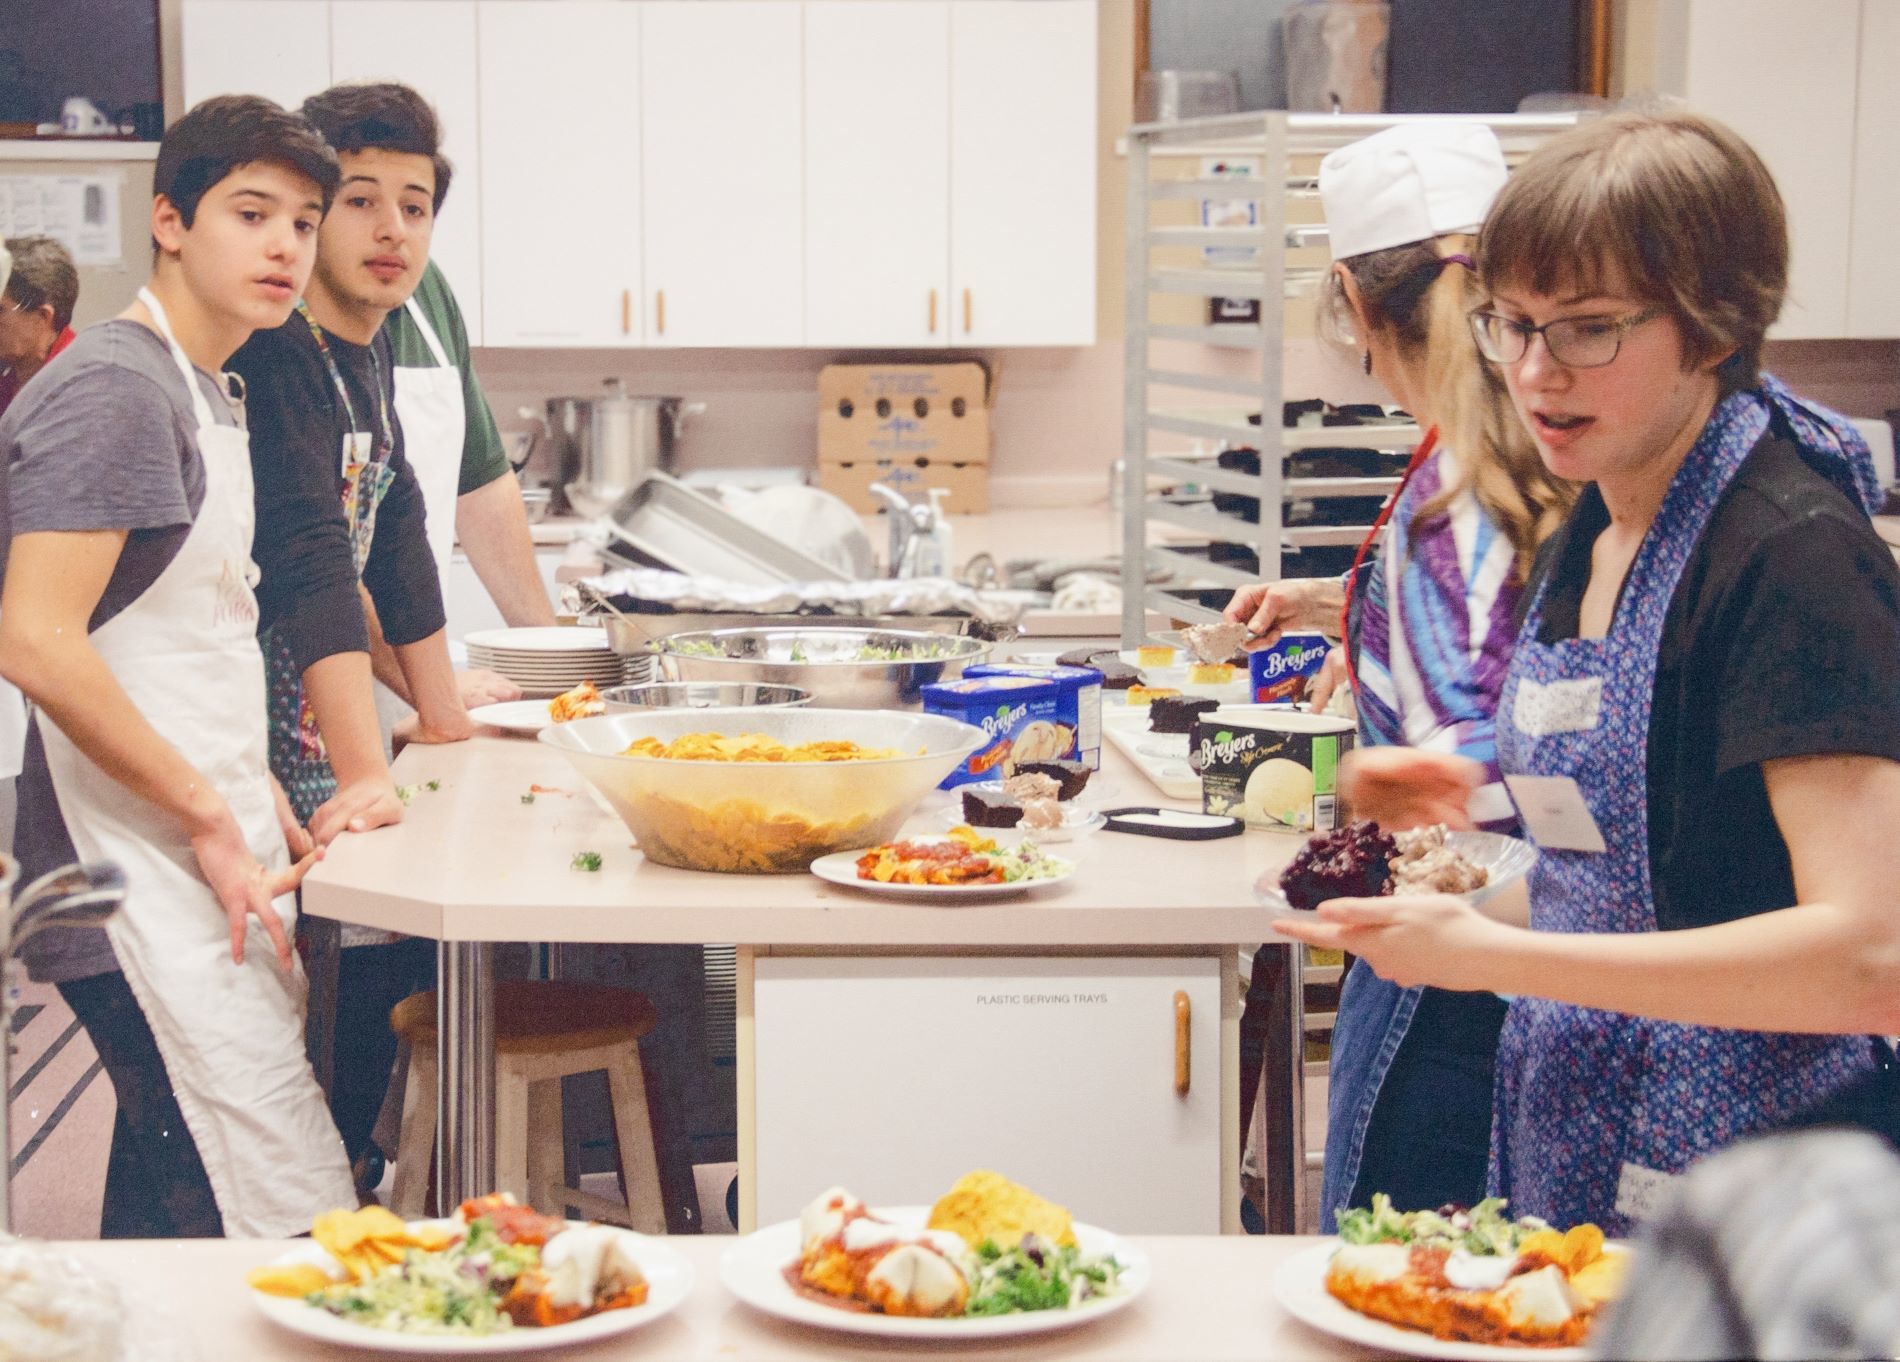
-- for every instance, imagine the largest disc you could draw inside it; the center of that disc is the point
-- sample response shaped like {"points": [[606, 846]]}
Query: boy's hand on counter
{"points": [[1405, 787], [452, 725], [357, 807], [1269, 609], [480, 687]]}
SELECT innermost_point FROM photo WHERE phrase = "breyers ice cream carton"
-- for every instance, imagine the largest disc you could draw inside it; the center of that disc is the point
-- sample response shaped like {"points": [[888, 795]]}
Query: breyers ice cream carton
{"points": [[1078, 704], [1271, 770], [1018, 716], [1280, 674]]}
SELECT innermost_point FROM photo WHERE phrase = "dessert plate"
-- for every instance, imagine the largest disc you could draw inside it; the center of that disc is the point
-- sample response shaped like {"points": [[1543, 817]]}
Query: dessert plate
{"points": [[1508, 859]]}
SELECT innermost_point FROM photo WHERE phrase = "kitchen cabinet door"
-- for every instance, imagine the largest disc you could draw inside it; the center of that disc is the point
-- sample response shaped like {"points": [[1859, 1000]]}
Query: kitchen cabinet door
{"points": [[897, 1075], [1784, 76], [560, 161], [428, 45], [1022, 172], [877, 172], [1873, 285], [720, 84], [276, 48]]}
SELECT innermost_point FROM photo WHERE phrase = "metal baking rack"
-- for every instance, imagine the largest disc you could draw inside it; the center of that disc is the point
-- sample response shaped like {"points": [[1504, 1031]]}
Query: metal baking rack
{"points": [[1211, 388]]}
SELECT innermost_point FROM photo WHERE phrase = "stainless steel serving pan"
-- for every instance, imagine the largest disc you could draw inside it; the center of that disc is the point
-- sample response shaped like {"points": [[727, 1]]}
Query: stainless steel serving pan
{"points": [[664, 520]]}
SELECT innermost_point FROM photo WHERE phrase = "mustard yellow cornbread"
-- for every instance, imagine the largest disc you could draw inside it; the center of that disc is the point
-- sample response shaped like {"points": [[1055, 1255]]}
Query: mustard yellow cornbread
{"points": [[986, 1205]]}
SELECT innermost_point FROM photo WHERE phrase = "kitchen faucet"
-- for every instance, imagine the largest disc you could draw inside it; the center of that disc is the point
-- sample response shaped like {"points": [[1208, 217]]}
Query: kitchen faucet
{"points": [[916, 549]]}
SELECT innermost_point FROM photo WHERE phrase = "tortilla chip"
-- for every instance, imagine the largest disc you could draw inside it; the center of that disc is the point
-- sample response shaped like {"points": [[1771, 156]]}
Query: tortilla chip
{"points": [[295, 1280]]}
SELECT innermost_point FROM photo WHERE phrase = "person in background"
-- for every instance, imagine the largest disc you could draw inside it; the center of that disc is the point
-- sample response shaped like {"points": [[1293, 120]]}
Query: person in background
{"points": [[449, 434], [340, 517], [1409, 1102], [1706, 682], [36, 311], [127, 617]]}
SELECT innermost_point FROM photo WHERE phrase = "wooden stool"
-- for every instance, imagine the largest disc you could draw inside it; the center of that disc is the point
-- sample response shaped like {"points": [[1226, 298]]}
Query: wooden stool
{"points": [[544, 1032]]}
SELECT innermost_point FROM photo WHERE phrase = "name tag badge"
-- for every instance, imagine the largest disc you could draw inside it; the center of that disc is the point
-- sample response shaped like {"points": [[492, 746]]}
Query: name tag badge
{"points": [[1572, 706], [1640, 1191], [1554, 813], [358, 445]]}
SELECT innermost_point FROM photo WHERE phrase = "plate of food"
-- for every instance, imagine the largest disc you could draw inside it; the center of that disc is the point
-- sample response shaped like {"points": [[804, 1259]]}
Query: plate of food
{"points": [[1038, 800], [1454, 1283], [497, 1277], [1072, 822], [531, 716], [961, 864], [991, 1259], [1362, 861]]}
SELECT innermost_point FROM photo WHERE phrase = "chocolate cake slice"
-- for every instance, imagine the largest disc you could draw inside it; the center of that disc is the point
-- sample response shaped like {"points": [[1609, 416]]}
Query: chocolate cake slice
{"points": [[1177, 713], [1116, 674], [1069, 776], [990, 808]]}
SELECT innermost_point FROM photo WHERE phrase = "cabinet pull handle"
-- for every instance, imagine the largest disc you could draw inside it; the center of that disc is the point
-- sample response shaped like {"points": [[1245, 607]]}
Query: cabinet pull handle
{"points": [[626, 312], [659, 310], [1183, 1049], [933, 312], [966, 311]]}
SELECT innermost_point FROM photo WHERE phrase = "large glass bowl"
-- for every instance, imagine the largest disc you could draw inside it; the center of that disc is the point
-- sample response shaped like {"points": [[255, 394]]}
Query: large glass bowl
{"points": [[848, 668], [764, 817]]}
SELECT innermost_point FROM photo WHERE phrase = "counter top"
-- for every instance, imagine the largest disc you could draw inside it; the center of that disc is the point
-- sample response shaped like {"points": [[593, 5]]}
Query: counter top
{"points": [[472, 862], [1210, 1300]]}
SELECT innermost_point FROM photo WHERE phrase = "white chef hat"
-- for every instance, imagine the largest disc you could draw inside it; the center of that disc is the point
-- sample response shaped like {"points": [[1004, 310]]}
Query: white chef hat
{"points": [[1409, 183]]}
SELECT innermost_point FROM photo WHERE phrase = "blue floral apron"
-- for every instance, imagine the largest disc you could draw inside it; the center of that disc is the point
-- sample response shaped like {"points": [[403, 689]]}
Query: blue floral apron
{"points": [[1591, 1107]]}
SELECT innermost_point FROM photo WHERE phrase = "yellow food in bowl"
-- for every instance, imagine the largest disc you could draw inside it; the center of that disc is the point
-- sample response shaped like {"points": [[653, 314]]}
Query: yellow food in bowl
{"points": [[986, 1205], [752, 747], [742, 836]]}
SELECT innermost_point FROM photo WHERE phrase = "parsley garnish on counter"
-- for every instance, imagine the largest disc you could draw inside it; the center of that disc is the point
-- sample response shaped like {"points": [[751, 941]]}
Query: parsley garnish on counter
{"points": [[585, 860]]}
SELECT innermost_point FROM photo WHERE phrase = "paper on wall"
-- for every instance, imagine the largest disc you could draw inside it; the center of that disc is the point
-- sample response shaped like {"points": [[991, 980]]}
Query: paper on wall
{"points": [[81, 212]]}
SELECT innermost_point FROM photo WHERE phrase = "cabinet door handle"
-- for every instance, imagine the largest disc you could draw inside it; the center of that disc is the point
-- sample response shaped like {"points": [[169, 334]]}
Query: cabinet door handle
{"points": [[626, 312], [1183, 1046], [933, 312], [659, 310], [966, 311]]}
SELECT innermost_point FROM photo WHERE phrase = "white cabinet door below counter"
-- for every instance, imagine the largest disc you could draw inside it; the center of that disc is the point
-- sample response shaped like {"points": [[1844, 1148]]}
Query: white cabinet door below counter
{"points": [[894, 1076]]}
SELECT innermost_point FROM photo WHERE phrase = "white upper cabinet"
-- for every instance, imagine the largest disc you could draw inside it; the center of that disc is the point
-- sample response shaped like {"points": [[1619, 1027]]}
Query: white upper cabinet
{"points": [[560, 156], [1022, 172], [430, 46], [1738, 51], [722, 121], [877, 172], [1873, 297], [276, 48]]}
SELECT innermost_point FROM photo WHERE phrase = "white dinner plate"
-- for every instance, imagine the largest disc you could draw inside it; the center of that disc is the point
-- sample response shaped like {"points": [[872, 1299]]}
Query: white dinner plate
{"points": [[1300, 1288], [1508, 859], [514, 716], [541, 639], [754, 1270], [841, 867], [669, 1281]]}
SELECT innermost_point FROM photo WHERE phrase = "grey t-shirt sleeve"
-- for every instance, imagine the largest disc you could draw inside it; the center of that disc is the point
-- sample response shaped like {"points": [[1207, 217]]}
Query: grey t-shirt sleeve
{"points": [[101, 453]]}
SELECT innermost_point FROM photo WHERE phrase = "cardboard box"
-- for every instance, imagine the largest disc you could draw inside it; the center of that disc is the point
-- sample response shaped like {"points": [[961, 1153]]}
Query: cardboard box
{"points": [[904, 413], [968, 483]]}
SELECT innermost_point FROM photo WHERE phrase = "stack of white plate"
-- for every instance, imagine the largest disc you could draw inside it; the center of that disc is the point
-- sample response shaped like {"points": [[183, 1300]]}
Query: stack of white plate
{"points": [[547, 661]]}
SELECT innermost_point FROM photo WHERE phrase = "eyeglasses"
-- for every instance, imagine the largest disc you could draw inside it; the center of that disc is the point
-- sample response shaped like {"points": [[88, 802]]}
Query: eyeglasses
{"points": [[1574, 342]]}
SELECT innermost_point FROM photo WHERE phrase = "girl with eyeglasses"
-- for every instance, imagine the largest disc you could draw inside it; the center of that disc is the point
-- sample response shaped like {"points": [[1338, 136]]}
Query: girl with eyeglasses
{"points": [[1429, 629], [1705, 689]]}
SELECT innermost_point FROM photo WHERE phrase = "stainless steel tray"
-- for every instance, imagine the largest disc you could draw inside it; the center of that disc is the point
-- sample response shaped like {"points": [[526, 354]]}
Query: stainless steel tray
{"points": [[669, 523]]}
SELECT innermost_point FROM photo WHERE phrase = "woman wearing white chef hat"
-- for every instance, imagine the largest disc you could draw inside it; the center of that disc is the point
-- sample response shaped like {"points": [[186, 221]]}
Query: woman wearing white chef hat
{"points": [[1701, 718], [1428, 623]]}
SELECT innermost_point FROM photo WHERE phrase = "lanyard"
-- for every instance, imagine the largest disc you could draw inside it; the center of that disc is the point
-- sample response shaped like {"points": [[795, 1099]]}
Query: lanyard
{"points": [[384, 441], [1419, 455]]}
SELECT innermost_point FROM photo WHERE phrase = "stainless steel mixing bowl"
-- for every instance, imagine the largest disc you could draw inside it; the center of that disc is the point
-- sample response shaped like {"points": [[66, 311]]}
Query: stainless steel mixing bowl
{"points": [[831, 663]]}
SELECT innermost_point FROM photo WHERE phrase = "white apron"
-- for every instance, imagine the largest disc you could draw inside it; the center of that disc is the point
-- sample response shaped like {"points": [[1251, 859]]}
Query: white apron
{"points": [[231, 1035], [434, 424]]}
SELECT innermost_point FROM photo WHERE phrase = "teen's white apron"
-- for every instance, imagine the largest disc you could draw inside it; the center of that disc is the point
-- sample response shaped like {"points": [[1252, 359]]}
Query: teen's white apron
{"points": [[434, 424], [231, 1035]]}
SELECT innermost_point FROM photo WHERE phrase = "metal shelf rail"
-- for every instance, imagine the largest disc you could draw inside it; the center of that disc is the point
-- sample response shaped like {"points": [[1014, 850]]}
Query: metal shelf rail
{"points": [[1285, 147]]}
